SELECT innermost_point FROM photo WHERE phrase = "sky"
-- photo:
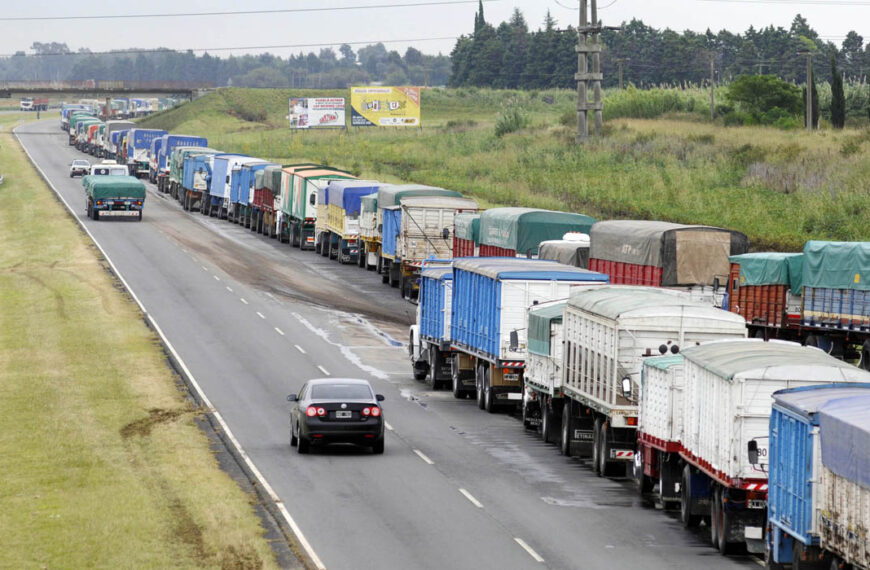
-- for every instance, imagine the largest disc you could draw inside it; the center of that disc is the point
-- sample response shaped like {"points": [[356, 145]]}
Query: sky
{"points": [[398, 27]]}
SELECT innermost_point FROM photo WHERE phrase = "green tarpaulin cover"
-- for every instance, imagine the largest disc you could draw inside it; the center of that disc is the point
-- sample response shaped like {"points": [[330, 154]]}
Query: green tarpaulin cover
{"points": [[523, 229], [109, 187], [837, 265], [540, 319], [466, 225], [771, 268], [663, 362], [272, 179]]}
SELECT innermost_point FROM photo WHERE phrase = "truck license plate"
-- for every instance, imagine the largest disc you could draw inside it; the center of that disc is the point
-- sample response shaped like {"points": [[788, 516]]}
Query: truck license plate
{"points": [[120, 213], [582, 435], [512, 377], [343, 414], [756, 504]]}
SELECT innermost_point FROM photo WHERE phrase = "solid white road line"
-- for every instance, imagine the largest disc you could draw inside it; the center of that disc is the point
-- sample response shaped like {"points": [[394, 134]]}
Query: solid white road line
{"points": [[529, 549], [200, 393], [204, 268], [230, 289], [261, 315], [324, 370], [299, 348], [279, 331], [388, 426], [242, 299], [471, 498], [216, 278], [424, 457]]}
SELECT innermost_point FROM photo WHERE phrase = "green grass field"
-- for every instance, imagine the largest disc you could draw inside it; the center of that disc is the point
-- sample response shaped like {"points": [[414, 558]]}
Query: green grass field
{"points": [[103, 465], [779, 187]]}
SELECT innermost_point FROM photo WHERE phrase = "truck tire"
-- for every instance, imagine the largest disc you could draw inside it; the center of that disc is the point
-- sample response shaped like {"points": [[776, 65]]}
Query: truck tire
{"points": [[723, 524], [567, 429], [547, 418], [478, 383], [643, 483], [436, 360], [715, 508], [488, 396], [361, 255], [606, 468], [139, 219], [596, 447], [687, 505], [865, 355]]}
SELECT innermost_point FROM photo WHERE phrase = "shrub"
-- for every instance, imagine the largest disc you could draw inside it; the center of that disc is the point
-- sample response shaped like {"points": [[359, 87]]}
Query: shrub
{"points": [[510, 119], [762, 94]]}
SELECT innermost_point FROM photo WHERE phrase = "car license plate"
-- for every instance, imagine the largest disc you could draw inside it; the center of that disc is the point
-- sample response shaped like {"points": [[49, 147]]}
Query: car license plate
{"points": [[343, 414]]}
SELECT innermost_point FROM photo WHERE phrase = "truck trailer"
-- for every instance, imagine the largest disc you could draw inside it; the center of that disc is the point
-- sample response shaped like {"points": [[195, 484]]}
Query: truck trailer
{"points": [[114, 197], [819, 488], [112, 126], [517, 232], [466, 234], [608, 332], [343, 213], [369, 234]]}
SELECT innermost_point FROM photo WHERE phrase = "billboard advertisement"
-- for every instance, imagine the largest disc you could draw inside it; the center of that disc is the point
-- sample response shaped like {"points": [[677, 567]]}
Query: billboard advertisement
{"points": [[385, 106], [317, 113]]}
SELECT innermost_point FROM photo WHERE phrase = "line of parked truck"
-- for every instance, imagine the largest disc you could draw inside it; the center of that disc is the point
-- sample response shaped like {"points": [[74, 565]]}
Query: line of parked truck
{"points": [[623, 342]]}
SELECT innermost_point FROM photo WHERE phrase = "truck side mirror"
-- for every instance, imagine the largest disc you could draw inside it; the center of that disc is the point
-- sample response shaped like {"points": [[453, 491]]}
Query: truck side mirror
{"points": [[445, 233], [514, 341], [753, 452], [715, 284], [626, 388]]}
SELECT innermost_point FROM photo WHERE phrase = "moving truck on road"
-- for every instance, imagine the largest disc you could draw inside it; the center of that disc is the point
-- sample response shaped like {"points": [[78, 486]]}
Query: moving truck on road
{"points": [[819, 481], [114, 197], [608, 332]]}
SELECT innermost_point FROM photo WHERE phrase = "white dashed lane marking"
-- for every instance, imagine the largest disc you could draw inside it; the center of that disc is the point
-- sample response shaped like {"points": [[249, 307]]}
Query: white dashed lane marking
{"points": [[471, 498]]}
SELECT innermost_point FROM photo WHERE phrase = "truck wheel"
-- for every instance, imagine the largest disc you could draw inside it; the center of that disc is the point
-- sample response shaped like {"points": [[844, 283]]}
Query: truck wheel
{"points": [[715, 514], [96, 214], [436, 361], [725, 521], [488, 396], [139, 219], [606, 467], [643, 483], [456, 377], [478, 383], [596, 447], [865, 355], [567, 430], [547, 423], [687, 503]]}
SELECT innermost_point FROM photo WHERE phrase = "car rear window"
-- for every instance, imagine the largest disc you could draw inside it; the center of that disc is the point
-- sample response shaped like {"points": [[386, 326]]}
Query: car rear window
{"points": [[340, 392]]}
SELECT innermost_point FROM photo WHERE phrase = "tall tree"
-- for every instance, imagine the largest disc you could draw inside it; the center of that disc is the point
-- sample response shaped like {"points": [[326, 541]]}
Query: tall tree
{"points": [[838, 97]]}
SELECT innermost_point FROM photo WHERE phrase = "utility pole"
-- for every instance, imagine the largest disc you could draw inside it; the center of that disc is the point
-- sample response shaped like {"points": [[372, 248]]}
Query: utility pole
{"points": [[588, 45], [712, 88], [619, 63], [809, 89]]}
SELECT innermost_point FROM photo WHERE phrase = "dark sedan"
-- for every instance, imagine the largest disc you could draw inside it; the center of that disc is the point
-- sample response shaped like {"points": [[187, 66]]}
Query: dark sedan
{"points": [[336, 410]]}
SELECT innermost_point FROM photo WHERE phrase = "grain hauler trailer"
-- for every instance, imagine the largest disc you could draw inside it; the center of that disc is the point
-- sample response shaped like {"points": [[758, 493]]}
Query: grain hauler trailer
{"points": [[250, 213], [114, 197], [297, 216], [543, 376], [819, 480], [195, 175], [466, 234], [420, 228], [572, 249], [517, 232], [727, 405], [240, 189], [343, 213], [138, 145], [662, 254], [221, 178], [488, 319], [429, 341], [765, 289], [322, 234], [608, 332], [267, 191], [164, 152], [390, 196], [153, 157], [829, 287], [176, 167], [75, 118], [370, 236], [111, 150]]}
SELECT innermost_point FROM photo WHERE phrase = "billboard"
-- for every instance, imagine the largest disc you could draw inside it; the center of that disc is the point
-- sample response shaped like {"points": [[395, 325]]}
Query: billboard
{"points": [[317, 113], [385, 106]]}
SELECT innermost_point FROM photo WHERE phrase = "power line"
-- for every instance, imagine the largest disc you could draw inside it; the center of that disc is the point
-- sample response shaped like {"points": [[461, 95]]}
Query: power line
{"points": [[239, 12], [235, 48], [788, 2]]}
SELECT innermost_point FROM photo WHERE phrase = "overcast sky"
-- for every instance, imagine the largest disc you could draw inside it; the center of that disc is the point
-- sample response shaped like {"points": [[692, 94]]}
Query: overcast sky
{"points": [[831, 18]]}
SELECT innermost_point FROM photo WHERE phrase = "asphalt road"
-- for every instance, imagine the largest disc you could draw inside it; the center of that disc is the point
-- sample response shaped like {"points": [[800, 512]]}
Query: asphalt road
{"points": [[456, 488]]}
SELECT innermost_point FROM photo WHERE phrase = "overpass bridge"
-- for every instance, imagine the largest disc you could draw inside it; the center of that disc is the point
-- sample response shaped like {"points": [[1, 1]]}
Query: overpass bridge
{"points": [[102, 88]]}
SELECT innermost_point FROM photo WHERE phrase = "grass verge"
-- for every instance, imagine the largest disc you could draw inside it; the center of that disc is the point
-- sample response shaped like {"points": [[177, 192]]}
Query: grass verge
{"points": [[779, 187], [103, 465]]}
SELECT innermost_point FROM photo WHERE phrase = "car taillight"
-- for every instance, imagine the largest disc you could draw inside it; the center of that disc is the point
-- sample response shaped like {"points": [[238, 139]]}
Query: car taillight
{"points": [[312, 411], [373, 412]]}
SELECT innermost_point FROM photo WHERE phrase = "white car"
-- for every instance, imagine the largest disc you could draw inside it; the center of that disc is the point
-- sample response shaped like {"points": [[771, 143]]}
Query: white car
{"points": [[79, 168], [109, 168]]}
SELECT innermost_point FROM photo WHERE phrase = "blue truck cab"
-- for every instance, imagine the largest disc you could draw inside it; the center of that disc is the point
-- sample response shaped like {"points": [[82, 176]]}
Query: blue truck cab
{"points": [[165, 150]]}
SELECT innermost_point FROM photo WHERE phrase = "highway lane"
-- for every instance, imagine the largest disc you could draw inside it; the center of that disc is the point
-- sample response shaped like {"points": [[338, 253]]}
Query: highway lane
{"points": [[456, 487]]}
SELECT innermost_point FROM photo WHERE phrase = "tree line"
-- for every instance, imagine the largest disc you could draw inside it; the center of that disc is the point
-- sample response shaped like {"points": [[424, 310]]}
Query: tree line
{"points": [[327, 69], [513, 56]]}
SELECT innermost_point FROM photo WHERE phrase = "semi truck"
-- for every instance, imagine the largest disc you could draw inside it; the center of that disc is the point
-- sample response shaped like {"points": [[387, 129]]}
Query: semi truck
{"points": [[138, 145], [429, 343], [114, 197], [390, 197], [112, 149], [153, 156], [466, 234], [248, 190], [662, 254], [819, 487], [419, 228], [607, 334], [267, 192], [543, 377], [34, 104], [220, 181], [343, 212], [164, 152], [297, 205], [239, 188], [195, 176], [176, 170], [369, 234], [819, 297], [488, 321], [726, 412], [517, 232]]}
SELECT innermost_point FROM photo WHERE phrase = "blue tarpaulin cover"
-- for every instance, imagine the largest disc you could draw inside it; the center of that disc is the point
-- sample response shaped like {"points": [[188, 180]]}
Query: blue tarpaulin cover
{"points": [[348, 194], [845, 432], [391, 229]]}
